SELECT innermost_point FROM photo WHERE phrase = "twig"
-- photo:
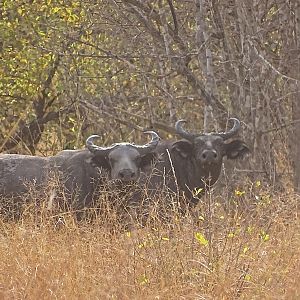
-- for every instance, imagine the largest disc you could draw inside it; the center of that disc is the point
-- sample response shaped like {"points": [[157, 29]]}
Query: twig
{"points": [[270, 65], [173, 16], [99, 111], [104, 110], [280, 127]]}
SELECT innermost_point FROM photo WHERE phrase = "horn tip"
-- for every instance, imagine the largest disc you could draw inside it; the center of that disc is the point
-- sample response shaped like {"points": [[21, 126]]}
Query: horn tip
{"points": [[152, 132], [91, 137], [234, 119], [94, 136]]}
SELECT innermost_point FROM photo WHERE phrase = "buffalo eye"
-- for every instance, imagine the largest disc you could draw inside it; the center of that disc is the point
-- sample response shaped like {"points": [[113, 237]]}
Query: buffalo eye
{"points": [[138, 160], [112, 161]]}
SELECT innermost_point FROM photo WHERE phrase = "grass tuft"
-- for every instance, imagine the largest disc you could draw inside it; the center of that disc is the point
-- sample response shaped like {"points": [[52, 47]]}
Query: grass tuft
{"points": [[247, 246]]}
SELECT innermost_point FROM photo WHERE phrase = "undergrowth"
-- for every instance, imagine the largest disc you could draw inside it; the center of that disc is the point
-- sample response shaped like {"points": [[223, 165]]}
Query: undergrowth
{"points": [[246, 246]]}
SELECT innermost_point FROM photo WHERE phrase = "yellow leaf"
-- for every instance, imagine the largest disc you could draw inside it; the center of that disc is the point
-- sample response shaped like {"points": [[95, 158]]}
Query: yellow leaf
{"points": [[20, 11], [197, 191], [247, 277], [144, 279], [142, 245], [201, 239], [250, 229], [264, 236], [246, 249], [239, 193], [201, 218]]}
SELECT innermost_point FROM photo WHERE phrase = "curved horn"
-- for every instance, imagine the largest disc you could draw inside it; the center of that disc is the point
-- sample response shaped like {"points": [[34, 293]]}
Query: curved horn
{"points": [[182, 132], [152, 144], [93, 148], [233, 131], [147, 147]]}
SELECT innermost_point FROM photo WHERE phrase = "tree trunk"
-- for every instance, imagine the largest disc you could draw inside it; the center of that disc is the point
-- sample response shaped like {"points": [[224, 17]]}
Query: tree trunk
{"points": [[296, 101]]}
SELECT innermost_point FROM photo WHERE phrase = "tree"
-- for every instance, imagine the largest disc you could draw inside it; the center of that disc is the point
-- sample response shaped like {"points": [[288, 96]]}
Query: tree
{"points": [[116, 68]]}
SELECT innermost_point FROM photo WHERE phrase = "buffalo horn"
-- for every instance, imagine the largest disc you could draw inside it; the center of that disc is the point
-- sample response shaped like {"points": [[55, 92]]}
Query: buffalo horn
{"points": [[93, 148], [147, 147], [182, 132], [234, 130], [152, 144]]}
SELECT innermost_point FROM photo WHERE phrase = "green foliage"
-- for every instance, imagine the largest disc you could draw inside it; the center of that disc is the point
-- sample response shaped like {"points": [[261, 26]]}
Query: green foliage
{"points": [[33, 35]]}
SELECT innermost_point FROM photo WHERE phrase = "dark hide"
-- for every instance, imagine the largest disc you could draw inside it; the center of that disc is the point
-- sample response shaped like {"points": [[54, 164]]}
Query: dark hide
{"points": [[86, 172], [79, 171], [196, 164]]}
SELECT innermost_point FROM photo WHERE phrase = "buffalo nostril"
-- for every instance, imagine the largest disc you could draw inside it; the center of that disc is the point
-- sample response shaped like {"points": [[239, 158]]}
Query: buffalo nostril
{"points": [[215, 155], [204, 155], [126, 175]]}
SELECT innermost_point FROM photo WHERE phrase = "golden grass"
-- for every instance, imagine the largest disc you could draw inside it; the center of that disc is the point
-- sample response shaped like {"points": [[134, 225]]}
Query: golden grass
{"points": [[250, 250]]}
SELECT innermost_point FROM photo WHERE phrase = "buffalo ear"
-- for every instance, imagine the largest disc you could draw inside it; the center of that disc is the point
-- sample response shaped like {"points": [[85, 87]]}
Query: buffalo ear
{"points": [[183, 148], [147, 159], [236, 149]]}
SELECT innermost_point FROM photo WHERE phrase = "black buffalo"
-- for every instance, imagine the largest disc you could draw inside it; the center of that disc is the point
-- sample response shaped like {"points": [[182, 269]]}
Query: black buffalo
{"points": [[80, 170], [190, 165]]}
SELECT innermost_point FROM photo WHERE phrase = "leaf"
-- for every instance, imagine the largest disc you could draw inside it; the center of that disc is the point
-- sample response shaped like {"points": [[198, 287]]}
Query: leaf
{"points": [[264, 236], [201, 239], [142, 245], [250, 229], [201, 218], [246, 249], [144, 279], [247, 277], [239, 193], [197, 191]]}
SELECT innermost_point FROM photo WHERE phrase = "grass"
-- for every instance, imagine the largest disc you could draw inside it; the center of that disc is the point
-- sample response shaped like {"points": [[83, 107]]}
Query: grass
{"points": [[247, 249]]}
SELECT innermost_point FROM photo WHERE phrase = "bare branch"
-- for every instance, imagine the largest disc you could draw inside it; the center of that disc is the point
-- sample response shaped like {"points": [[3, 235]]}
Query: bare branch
{"points": [[173, 16], [269, 64], [105, 111]]}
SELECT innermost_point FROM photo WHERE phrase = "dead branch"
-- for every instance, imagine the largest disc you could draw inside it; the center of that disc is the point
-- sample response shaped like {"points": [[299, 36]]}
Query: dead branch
{"points": [[105, 111], [173, 16]]}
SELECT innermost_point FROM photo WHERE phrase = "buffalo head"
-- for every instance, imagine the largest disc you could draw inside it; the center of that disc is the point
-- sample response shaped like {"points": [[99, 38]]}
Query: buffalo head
{"points": [[208, 149], [124, 161]]}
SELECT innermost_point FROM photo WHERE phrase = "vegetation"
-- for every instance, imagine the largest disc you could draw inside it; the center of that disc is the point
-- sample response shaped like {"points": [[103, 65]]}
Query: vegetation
{"points": [[73, 68], [69, 69], [251, 252]]}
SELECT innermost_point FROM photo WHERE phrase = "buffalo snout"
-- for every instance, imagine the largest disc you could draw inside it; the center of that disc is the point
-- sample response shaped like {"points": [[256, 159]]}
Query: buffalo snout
{"points": [[209, 156], [127, 175]]}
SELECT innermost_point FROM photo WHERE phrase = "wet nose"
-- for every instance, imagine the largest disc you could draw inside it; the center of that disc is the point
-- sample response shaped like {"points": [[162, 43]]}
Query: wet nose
{"points": [[209, 156], [126, 175]]}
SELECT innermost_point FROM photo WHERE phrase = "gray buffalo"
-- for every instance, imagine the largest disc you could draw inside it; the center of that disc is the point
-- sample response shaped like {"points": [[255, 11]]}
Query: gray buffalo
{"points": [[80, 170], [193, 163]]}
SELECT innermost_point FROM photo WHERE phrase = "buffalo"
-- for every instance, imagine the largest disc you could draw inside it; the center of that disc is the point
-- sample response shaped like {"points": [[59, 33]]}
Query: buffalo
{"points": [[79, 170], [190, 165]]}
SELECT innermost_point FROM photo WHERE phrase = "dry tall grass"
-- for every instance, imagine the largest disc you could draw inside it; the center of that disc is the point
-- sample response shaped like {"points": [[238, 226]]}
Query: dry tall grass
{"points": [[248, 248]]}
